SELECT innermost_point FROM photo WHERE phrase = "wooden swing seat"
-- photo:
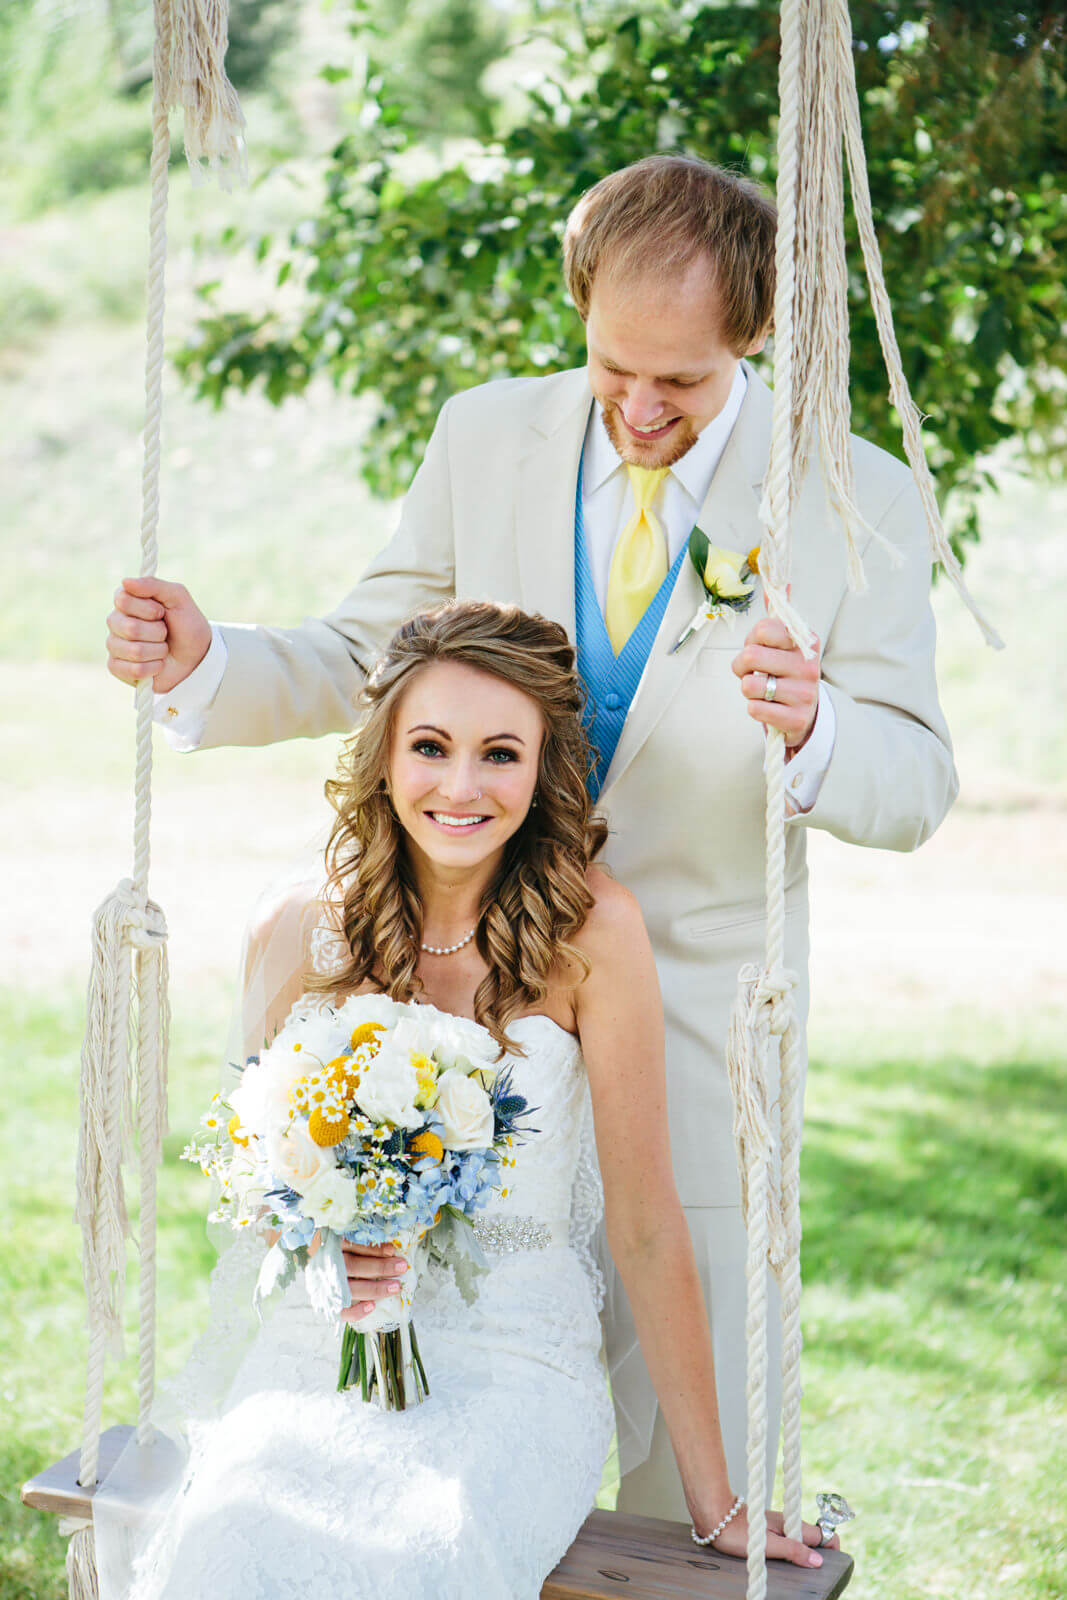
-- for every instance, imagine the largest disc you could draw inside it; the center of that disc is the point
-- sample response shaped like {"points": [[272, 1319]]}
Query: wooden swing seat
{"points": [[614, 1554]]}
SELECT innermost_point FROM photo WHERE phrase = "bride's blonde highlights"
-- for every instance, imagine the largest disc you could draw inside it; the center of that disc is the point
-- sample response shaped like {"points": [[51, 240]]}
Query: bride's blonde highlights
{"points": [[540, 898]]}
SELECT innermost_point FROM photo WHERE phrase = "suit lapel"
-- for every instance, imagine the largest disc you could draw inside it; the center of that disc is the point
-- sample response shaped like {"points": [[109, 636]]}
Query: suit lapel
{"points": [[544, 511], [729, 517]]}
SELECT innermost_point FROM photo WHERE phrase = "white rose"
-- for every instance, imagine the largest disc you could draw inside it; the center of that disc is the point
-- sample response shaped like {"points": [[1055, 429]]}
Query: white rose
{"points": [[414, 1035], [459, 1042], [721, 571], [295, 1159], [330, 1200], [388, 1087], [317, 1033], [466, 1111], [360, 1008]]}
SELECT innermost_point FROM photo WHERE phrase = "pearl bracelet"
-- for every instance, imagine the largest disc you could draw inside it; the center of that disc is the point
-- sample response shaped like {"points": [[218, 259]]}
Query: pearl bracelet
{"points": [[710, 1538]]}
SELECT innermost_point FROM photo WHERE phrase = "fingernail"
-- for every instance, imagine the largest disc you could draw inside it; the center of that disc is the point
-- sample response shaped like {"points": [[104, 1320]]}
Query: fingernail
{"points": [[815, 1560], [392, 1287]]}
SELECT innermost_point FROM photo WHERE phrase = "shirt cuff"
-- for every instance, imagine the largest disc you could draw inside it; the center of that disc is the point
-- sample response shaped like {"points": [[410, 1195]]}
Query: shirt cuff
{"points": [[806, 771], [182, 713]]}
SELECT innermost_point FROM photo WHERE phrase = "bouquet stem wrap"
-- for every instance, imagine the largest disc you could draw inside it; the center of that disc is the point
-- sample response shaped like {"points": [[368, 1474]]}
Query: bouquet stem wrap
{"points": [[380, 1353]]}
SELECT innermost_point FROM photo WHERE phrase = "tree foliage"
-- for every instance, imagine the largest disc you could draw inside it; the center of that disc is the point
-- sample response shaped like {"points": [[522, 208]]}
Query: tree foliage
{"points": [[435, 55], [416, 286]]}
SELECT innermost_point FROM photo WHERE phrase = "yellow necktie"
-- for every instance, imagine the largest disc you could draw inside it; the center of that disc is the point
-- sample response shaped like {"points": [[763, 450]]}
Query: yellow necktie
{"points": [[640, 563]]}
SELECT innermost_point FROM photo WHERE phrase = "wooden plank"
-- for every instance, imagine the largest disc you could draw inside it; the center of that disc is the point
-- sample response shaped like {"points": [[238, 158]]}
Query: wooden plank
{"points": [[614, 1554], [57, 1488], [648, 1559]]}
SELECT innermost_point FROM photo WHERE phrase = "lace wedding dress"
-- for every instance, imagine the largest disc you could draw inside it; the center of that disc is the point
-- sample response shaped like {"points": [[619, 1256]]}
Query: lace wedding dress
{"points": [[292, 1491]]}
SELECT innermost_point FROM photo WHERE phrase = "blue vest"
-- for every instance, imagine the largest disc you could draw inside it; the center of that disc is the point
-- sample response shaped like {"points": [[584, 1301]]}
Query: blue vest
{"points": [[610, 681]]}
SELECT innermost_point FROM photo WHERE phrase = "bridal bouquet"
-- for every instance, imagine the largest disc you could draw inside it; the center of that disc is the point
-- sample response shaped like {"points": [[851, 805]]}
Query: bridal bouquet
{"points": [[371, 1122]]}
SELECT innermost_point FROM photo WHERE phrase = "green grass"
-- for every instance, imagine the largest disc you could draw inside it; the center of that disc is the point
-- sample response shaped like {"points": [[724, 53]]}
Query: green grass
{"points": [[935, 1183], [936, 1354]]}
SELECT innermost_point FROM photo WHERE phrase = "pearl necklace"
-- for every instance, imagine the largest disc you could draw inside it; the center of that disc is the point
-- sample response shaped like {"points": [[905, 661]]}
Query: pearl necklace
{"points": [[448, 949]]}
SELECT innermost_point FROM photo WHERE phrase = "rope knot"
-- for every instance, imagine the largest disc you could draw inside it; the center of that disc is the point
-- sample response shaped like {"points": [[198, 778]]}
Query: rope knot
{"points": [[774, 993], [143, 923]]}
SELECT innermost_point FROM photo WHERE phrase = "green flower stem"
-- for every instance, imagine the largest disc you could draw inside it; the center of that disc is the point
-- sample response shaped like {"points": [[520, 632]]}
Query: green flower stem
{"points": [[416, 1361], [349, 1344], [357, 1367]]}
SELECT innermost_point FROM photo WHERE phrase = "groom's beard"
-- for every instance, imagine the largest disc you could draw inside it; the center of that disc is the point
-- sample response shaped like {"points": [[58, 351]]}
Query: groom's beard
{"points": [[678, 443]]}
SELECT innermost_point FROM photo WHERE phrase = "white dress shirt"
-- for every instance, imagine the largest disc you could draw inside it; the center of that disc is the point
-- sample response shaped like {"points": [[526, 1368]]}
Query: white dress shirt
{"points": [[607, 505]]}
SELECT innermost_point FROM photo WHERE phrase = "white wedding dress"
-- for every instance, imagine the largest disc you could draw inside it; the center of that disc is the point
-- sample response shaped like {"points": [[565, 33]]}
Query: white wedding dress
{"points": [[292, 1491]]}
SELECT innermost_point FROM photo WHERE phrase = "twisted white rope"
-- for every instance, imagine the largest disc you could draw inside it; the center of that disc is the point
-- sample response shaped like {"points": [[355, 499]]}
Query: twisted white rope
{"points": [[819, 109], [763, 1009], [900, 394], [129, 939]]}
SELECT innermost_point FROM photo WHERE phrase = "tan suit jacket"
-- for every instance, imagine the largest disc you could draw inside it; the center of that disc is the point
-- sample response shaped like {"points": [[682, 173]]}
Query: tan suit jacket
{"points": [[491, 515]]}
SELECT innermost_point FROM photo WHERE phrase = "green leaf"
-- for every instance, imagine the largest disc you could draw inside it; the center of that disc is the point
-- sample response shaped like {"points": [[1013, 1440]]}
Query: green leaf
{"points": [[699, 545]]}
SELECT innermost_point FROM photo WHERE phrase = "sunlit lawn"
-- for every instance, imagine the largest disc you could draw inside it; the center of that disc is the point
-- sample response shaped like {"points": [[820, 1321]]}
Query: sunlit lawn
{"points": [[934, 1199]]}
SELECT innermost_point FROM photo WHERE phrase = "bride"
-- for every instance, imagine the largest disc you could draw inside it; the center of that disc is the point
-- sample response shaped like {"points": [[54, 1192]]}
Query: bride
{"points": [[462, 877]]}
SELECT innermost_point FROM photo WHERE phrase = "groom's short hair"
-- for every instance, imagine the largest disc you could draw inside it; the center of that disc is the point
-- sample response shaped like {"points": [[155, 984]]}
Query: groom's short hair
{"points": [[652, 219]]}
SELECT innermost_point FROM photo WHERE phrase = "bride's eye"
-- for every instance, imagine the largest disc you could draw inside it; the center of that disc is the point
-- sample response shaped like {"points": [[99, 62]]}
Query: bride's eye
{"points": [[426, 747], [500, 756]]}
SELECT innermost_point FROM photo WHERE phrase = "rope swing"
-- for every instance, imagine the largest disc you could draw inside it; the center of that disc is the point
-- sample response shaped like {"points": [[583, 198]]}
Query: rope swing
{"points": [[128, 1013], [818, 110]]}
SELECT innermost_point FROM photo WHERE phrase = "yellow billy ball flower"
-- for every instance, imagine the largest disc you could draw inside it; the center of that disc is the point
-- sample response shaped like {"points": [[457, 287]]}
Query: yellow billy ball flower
{"points": [[326, 1131], [367, 1034], [236, 1132], [427, 1144]]}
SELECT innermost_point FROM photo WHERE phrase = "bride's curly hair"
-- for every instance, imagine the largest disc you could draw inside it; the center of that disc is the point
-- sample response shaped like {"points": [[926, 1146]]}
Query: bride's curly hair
{"points": [[540, 897]]}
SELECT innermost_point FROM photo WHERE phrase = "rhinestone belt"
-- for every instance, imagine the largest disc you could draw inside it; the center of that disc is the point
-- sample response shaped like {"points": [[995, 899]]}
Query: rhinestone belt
{"points": [[503, 1235]]}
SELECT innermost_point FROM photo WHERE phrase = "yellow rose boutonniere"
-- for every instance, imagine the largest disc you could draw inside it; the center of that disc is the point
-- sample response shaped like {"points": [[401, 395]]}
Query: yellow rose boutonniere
{"points": [[727, 576]]}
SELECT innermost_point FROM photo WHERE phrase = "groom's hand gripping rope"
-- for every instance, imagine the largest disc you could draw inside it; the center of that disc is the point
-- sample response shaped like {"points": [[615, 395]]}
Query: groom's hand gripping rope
{"points": [[770, 661], [156, 631]]}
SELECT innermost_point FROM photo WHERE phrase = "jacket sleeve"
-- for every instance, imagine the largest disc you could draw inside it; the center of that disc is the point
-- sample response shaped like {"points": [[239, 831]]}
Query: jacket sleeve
{"points": [[291, 683], [891, 779]]}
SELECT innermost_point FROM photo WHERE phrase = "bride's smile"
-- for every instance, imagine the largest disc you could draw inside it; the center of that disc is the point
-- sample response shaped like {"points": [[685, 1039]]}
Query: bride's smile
{"points": [[462, 772]]}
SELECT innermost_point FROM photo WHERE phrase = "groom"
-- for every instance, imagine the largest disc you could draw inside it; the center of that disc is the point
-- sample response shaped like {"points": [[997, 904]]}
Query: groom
{"points": [[574, 495]]}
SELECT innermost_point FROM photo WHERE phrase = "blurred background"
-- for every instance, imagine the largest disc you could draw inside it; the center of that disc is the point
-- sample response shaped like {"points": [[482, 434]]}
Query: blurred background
{"points": [[412, 164]]}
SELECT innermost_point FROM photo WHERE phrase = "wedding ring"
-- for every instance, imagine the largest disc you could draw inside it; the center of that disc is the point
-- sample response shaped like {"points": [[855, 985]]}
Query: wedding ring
{"points": [[771, 687]]}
